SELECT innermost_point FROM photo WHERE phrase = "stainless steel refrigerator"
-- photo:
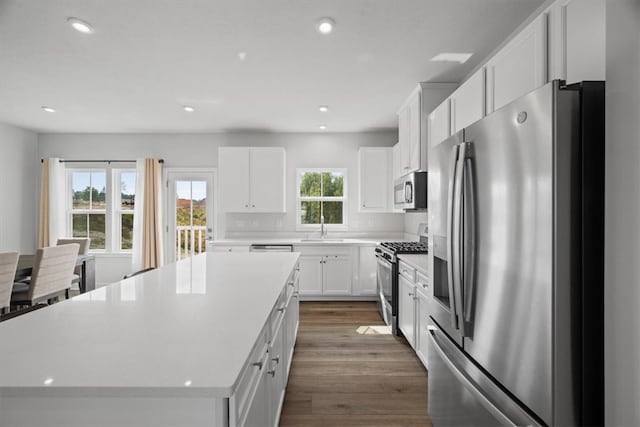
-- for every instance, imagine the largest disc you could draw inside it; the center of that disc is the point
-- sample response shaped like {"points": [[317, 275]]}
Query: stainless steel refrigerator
{"points": [[516, 315]]}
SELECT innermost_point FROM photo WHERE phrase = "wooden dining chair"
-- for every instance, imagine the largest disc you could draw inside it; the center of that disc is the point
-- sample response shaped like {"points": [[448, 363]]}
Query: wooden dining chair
{"points": [[84, 243], [8, 264], [50, 278]]}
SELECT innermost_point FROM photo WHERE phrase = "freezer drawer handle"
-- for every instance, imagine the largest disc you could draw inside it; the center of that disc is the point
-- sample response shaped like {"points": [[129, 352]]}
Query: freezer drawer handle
{"points": [[469, 383]]}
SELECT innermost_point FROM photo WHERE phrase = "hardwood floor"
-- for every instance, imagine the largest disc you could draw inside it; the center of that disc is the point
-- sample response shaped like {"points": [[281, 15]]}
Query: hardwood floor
{"points": [[340, 377]]}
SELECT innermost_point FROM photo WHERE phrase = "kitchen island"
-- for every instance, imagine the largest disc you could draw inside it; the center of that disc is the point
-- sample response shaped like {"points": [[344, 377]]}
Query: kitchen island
{"points": [[204, 341]]}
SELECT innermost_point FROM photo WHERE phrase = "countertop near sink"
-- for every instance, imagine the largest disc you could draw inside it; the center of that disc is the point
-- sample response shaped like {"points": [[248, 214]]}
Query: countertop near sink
{"points": [[296, 241], [417, 261]]}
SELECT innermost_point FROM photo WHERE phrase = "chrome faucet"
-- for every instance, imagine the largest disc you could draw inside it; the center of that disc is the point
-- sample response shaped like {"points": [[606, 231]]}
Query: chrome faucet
{"points": [[323, 232]]}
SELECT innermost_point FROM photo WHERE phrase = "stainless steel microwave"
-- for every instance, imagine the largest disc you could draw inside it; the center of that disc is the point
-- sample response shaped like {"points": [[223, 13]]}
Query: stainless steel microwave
{"points": [[410, 191]]}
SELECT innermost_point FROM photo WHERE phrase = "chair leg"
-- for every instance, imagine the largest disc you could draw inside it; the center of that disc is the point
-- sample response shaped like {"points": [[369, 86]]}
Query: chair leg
{"points": [[66, 294]]}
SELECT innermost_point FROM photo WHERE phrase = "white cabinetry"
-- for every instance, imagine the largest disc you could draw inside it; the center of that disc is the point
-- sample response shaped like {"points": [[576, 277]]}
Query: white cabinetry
{"points": [[519, 67], [467, 102], [397, 161], [577, 40], [375, 184], [407, 309], [325, 271], [366, 284], [412, 153], [440, 123], [252, 179], [229, 248], [261, 390], [422, 318]]}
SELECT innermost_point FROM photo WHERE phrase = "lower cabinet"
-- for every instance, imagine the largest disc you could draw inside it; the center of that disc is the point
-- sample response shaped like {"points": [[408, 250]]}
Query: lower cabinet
{"points": [[422, 320], [407, 309], [259, 396], [366, 285], [325, 271]]}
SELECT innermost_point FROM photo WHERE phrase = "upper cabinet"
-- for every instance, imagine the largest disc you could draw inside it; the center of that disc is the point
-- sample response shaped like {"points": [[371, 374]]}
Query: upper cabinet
{"points": [[413, 124], [409, 128], [397, 161], [519, 67], [577, 40], [375, 180], [467, 102], [252, 179], [440, 123]]}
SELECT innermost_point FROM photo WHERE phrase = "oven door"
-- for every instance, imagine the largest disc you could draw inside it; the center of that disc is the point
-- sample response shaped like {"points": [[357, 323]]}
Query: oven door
{"points": [[385, 289]]}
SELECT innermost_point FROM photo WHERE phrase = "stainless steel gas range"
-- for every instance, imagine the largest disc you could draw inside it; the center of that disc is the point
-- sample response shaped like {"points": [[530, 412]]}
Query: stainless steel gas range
{"points": [[387, 275]]}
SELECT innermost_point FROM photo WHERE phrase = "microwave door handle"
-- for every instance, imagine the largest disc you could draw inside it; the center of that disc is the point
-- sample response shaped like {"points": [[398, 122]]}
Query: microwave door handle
{"points": [[469, 267], [408, 191], [450, 222]]}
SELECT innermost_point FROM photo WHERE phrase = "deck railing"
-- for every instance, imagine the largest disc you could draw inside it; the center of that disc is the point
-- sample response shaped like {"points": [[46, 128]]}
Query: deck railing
{"points": [[190, 240]]}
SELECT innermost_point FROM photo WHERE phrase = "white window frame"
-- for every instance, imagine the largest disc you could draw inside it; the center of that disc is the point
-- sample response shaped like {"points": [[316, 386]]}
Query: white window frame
{"points": [[117, 208], [344, 199], [112, 209]]}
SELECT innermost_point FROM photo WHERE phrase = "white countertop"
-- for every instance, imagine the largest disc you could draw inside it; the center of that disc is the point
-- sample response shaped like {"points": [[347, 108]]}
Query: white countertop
{"points": [[195, 320], [297, 241], [417, 261]]}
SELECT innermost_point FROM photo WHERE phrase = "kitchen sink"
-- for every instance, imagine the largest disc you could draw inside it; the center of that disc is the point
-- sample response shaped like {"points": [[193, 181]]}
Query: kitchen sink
{"points": [[322, 240]]}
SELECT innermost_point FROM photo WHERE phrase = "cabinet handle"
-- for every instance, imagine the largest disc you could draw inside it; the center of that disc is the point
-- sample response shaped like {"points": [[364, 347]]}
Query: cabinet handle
{"points": [[246, 206], [292, 284], [253, 206], [411, 294], [276, 359], [257, 364], [272, 373], [281, 309]]}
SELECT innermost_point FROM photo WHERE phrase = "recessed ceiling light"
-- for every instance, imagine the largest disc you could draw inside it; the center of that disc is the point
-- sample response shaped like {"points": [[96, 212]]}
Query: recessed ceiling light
{"points": [[80, 26], [323, 127], [189, 109], [188, 383], [48, 109], [452, 57], [323, 108], [325, 25], [48, 381], [242, 56]]}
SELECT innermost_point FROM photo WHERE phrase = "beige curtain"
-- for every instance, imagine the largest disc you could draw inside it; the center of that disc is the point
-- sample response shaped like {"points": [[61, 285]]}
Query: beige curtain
{"points": [[148, 247], [43, 214]]}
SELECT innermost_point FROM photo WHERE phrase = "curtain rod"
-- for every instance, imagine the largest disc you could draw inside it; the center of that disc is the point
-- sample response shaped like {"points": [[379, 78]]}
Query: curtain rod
{"points": [[98, 161]]}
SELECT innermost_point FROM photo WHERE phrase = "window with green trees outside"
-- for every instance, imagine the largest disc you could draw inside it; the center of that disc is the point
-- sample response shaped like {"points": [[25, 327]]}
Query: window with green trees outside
{"points": [[321, 192]]}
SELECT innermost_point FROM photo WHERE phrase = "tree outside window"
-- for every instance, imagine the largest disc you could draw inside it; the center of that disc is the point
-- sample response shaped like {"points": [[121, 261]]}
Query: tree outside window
{"points": [[321, 192]]}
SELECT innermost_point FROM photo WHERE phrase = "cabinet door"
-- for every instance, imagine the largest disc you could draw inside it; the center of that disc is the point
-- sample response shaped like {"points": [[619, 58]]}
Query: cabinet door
{"points": [[367, 284], [577, 40], [520, 67], [233, 166], [311, 274], [337, 275], [406, 309], [375, 181], [415, 123], [267, 189], [467, 102], [258, 410], [422, 333], [275, 374], [439, 123]]}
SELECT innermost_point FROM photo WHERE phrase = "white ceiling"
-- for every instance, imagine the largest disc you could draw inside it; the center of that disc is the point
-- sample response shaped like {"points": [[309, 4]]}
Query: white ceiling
{"points": [[147, 58]]}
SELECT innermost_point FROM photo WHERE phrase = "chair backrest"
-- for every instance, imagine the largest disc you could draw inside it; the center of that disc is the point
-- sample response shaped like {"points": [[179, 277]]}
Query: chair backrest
{"points": [[135, 273], [52, 270], [8, 264], [82, 241]]}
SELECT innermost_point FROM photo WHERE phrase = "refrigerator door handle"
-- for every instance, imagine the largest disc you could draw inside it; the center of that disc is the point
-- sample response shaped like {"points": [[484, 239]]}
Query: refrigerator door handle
{"points": [[450, 227], [469, 254], [450, 360], [458, 236]]}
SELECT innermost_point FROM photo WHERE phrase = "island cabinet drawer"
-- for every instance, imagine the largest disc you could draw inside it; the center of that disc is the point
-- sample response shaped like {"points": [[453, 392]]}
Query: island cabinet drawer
{"points": [[278, 313], [422, 280], [407, 271], [257, 364], [293, 282]]}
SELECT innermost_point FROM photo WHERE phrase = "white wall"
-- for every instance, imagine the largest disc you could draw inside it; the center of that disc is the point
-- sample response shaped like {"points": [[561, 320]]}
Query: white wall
{"points": [[201, 150], [19, 189], [622, 226]]}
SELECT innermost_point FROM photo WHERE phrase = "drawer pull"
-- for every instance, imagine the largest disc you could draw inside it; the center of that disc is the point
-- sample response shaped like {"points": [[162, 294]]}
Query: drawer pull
{"points": [[276, 359], [272, 373], [281, 309], [257, 364], [411, 294]]}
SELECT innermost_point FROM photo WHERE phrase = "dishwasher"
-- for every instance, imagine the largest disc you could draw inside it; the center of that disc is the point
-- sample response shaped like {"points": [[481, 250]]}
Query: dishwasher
{"points": [[270, 248]]}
